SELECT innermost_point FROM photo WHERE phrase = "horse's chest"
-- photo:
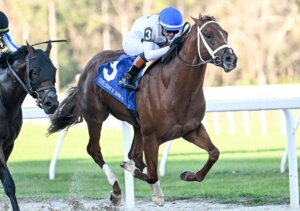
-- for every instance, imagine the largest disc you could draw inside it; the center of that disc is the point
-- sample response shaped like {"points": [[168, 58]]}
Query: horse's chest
{"points": [[176, 130], [10, 127]]}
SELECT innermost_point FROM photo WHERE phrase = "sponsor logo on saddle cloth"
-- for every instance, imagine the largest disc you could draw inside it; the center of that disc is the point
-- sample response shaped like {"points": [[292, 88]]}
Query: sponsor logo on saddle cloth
{"points": [[109, 75]]}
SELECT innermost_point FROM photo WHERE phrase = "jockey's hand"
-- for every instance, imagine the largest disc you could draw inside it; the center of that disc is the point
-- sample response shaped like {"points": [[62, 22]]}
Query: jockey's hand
{"points": [[177, 41], [175, 44]]}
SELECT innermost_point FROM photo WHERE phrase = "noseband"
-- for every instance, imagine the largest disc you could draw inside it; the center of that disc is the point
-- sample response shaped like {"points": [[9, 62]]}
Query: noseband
{"points": [[28, 83], [214, 59]]}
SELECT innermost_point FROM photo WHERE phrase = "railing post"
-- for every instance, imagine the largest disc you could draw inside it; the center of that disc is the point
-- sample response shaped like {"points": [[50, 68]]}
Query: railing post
{"points": [[55, 154], [129, 183], [292, 159]]}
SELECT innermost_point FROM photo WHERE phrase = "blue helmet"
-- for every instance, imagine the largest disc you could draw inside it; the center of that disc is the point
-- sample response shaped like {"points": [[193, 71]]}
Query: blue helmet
{"points": [[171, 19]]}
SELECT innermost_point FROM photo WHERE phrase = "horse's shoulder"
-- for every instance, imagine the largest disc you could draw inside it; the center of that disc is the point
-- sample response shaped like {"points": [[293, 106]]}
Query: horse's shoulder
{"points": [[5, 56]]}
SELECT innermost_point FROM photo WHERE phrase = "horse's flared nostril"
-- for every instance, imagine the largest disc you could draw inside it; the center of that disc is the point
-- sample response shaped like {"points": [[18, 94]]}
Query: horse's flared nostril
{"points": [[50, 106], [228, 59]]}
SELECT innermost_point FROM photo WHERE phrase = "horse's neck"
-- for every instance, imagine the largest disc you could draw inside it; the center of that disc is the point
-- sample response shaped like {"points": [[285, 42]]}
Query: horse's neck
{"points": [[11, 91], [184, 77]]}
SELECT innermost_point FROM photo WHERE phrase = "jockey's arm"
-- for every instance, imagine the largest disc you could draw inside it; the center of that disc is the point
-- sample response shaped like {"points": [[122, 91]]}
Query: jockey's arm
{"points": [[9, 42], [152, 50]]}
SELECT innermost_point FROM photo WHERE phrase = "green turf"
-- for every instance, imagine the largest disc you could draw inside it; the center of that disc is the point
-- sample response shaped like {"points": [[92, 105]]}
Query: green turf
{"points": [[247, 171]]}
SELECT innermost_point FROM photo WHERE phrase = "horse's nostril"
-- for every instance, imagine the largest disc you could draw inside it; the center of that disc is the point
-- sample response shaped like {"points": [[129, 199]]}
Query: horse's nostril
{"points": [[228, 59], [47, 104]]}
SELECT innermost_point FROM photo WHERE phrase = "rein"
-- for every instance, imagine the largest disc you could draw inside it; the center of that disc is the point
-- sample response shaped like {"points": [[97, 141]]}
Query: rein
{"points": [[19, 79]]}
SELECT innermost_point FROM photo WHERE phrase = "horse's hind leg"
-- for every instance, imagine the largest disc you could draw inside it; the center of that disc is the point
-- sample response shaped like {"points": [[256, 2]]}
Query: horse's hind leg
{"points": [[135, 154], [200, 138], [7, 181], [94, 151]]}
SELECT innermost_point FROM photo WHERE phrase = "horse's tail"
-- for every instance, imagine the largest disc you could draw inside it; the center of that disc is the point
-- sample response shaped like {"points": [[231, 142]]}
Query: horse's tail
{"points": [[67, 114]]}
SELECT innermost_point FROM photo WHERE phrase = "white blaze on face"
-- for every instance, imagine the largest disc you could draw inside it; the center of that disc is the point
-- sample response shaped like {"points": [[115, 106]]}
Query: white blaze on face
{"points": [[111, 177]]}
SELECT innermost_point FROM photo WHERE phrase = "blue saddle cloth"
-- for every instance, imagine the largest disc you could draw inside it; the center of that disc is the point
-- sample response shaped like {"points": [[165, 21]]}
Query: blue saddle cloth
{"points": [[109, 75]]}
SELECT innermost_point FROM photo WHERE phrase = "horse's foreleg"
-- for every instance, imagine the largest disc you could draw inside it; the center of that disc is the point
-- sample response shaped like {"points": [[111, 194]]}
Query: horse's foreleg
{"points": [[200, 138], [94, 151], [149, 173], [8, 182]]}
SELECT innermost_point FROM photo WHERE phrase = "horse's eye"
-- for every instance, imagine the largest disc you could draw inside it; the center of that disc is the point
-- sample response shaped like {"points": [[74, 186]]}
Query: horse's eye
{"points": [[34, 74], [208, 36]]}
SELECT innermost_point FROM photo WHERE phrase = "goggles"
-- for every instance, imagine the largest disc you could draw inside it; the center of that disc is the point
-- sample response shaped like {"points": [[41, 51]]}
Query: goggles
{"points": [[169, 31]]}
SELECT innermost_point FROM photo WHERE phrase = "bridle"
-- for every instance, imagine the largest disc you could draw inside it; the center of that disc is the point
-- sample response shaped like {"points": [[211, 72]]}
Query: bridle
{"points": [[214, 59], [29, 84]]}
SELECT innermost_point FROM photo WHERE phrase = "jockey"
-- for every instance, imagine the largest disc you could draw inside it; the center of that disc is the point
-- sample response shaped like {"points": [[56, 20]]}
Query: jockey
{"points": [[6, 39], [149, 38]]}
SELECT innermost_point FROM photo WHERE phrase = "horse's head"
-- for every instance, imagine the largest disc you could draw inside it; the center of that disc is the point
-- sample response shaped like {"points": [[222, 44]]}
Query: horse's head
{"points": [[40, 78], [212, 43]]}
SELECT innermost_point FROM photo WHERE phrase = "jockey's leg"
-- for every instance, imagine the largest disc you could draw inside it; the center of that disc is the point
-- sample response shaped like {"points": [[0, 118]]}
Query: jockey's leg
{"points": [[129, 78]]}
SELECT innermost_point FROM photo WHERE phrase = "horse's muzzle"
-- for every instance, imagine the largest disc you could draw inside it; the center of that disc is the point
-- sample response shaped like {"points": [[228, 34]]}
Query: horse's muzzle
{"points": [[50, 102], [229, 60]]}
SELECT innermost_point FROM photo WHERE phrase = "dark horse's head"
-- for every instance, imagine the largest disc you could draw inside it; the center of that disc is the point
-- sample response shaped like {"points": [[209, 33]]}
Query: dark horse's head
{"points": [[35, 72], [212, 44]]}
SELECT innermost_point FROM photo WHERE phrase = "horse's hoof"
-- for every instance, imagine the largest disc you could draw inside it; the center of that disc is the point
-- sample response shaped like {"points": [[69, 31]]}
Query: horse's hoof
{"points": [[158, 200], [187, 176], [115, 199], [123, 164]]}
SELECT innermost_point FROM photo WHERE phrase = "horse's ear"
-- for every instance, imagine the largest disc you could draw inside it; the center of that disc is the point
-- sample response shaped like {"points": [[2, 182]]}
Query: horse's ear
{"points": [[194, 19], [49, 46], [30, 49], [200, 16]]}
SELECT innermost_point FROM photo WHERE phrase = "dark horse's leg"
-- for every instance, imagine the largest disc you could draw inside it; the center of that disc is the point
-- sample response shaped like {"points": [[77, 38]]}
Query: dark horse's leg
{"points": [[94, 150], [6, 178], [200, 138]]}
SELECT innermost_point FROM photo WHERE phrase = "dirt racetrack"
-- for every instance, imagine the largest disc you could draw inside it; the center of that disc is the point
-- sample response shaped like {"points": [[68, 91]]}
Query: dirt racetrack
{"points": [[140, 205]]}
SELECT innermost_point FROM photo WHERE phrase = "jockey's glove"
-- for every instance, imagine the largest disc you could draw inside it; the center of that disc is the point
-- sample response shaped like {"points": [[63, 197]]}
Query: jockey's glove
{"points": [[177, 41]]}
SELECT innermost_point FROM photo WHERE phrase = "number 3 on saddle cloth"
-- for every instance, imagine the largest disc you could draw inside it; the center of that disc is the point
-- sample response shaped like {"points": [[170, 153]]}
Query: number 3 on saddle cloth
{"points": [[108, 78]]}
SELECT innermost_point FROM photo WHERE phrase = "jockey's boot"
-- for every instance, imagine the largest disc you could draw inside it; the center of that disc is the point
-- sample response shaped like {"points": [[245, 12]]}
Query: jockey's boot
{"points": [[129, 78]]}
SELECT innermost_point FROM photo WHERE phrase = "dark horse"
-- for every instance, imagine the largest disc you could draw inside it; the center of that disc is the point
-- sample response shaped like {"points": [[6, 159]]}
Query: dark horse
{"points": [[31, 71], [170, 104]]}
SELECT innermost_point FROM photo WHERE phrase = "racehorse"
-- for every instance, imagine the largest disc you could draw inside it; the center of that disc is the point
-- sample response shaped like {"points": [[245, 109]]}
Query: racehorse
{"points": [[26, 71], [170, 104]]}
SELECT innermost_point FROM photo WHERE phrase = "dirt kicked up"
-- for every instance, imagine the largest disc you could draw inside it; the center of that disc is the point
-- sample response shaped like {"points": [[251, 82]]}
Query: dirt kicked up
{"points": [[140, 205]]}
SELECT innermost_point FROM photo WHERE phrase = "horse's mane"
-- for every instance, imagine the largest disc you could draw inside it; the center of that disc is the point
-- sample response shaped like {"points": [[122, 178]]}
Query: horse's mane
{"points": [[11, 57], [207, 18]]}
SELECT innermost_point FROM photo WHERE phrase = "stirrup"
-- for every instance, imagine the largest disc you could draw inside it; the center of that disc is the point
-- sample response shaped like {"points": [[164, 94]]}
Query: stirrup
{"points": [[125, 83]]}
